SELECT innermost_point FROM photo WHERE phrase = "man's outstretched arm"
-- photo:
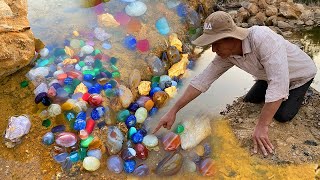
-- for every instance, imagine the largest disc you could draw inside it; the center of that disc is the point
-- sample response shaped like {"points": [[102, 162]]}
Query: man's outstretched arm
{"points": [[168, 119]]}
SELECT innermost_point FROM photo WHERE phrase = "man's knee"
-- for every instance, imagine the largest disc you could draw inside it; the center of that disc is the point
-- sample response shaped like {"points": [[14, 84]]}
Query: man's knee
{"points": [[283, 117]]}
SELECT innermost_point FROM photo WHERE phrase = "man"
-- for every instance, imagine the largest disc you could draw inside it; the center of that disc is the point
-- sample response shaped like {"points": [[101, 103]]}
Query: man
{"points": [[283, 72]]}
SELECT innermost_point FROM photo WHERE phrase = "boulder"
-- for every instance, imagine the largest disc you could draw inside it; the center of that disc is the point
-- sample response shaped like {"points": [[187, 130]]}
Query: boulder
{"points": [[271, 20], [284, 25], [289, 11], [309, 23], [252, 8], [17, 44], [307, 15], [262, 4], [271, 10], [242, 15]]}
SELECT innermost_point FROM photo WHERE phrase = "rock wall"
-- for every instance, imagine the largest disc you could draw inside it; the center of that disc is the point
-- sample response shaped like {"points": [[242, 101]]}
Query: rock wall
{"points": [[283, 15], [17, 45]]}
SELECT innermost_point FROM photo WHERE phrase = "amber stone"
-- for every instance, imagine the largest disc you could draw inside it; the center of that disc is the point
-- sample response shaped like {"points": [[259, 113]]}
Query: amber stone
{"points": [[207, 167], [160, 98], [171, 141], [142, 151], [149, 105]]}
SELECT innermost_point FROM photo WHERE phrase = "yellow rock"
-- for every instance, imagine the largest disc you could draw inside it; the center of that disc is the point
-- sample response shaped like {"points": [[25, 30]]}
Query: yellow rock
{"points": [[67, 106], [76, 33], [69, 61], [144, 88], [69, 51], [107, 20], [174, 41], [171, 91], [199, 150], [180, 67], [81, 88]]}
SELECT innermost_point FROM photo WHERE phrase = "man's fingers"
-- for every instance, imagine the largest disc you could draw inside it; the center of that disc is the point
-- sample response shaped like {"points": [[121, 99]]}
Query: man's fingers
{"points": [[262, 148], [158, 127], [255, 146], [266, 145]]}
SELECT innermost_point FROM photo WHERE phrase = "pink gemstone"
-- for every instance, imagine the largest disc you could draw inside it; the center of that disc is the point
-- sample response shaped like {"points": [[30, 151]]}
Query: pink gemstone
{"points": [[171, 141], [66, 139], [207, 167], [90, 42], [52, 92], [122, 18], [143, 45]]}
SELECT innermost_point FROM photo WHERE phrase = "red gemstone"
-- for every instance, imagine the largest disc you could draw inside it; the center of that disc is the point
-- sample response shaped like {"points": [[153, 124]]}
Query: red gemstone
{"points": [[86, 96], [90, 126], [143, 45], [142, 151], [95, 100], [207, 167], [171, 141]]}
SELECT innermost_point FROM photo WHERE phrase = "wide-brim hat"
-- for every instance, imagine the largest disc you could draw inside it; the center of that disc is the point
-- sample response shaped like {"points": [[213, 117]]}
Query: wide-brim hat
{"points": [[220, 25]]}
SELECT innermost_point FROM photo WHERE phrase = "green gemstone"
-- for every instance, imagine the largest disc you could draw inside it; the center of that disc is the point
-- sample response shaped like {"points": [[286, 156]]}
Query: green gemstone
{"points": [[24, 84], [83, 152], [131, 131], [113, 83], [97, 51], [46, 123], [114, 68], [89, 72], [110, 92], [97, 64], [116, 74], [179, 129], [82, 64], [123, 115], [155, 79], [69, 89], [82, 43], [75, 82], [96, 71], [86, 142]]}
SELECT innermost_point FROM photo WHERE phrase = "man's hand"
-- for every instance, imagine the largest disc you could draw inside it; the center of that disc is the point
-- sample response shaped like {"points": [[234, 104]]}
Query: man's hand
{"points": [[261, 140], [166, 121]]}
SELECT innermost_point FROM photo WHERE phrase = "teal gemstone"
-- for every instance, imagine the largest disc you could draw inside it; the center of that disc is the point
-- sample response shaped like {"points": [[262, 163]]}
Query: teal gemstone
{"points": [[83, 153], [110, 92], [97, 51], [116, 74], [97, 64], [75, 82], [180, 129], [131, 131], [114, 68], [74, 156], [123, 115]]}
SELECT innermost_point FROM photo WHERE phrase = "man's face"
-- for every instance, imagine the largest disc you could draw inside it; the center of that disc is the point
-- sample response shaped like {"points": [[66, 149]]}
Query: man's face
{"points": [[223, 47]]}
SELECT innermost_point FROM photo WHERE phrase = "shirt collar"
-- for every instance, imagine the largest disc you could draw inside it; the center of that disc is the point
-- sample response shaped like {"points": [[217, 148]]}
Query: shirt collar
{"points": [[246, 48]]}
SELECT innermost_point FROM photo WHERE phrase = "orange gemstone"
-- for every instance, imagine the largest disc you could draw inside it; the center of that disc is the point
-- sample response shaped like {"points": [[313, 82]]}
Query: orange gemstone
{"points": [[149, 105], [171, 141], [134, 26], [160, 98], [74, 74], [207, 167], [62, 76]]}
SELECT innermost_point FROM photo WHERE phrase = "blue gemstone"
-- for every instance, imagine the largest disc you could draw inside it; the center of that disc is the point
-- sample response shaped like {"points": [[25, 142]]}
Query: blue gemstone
{"points": [[129, 165], [141, 170], [98, 86], [133, 107], [87, 84], [46, 101], [113, 60], [191, 64], [143, 132], [174, 83], [131, 121], [182, 10], [82, 115], [94, 90], [74, 156], [66, 42], [153, 111], [137, 138], [154, 90], [130, 43], [154, 84], [79, 124], [107, 86], [68, 81], [88, 77], [70, 116], [101, 124], [59, 128], [60, 158], [56, 85], [39, 97], [48, 138], [97, 113]]}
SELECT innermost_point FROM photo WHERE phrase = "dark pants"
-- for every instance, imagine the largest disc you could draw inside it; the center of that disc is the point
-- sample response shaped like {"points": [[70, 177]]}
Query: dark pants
{"points": [[288, 109]]}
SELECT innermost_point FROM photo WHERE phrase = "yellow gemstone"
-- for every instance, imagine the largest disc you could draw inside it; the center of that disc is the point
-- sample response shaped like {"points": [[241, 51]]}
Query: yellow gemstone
{"points": [[144, 88], [67, 106], [68, 51], [107, 20], [171, 91], [180, 67], [81, 88], [76, 33], [69, 61], [174, 41]]}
